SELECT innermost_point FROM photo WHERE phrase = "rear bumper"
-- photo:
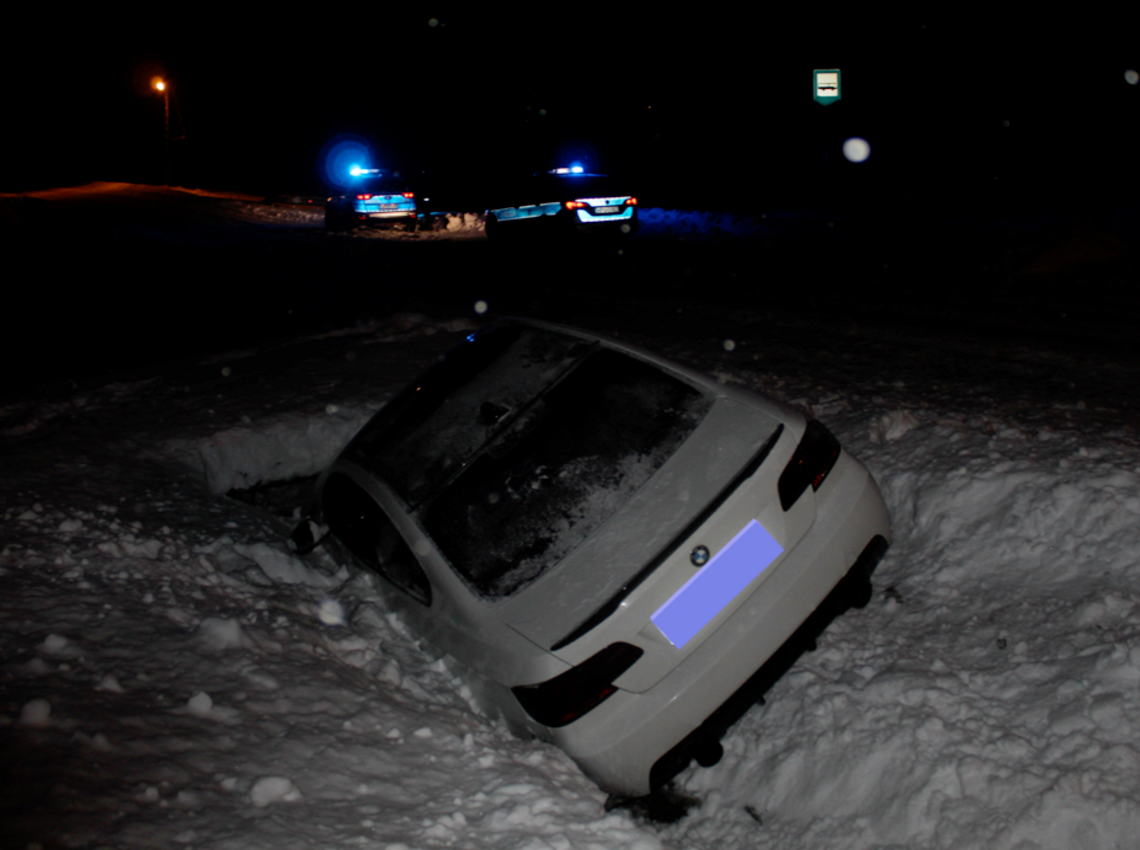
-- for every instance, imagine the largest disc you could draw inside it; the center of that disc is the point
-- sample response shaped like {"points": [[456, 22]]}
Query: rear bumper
{"points": [[633, 740], [754, 688], [551, 218], [388, 215], [627, 215]]}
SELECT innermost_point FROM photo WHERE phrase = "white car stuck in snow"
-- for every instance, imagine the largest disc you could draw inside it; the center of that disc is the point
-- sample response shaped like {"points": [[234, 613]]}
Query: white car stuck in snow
{"points": [[615, 546]]}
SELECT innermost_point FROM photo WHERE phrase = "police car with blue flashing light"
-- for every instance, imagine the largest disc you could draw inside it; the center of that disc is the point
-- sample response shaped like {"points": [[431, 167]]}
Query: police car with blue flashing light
{"points": [[621, 552], [564, 200], [373, 196]]}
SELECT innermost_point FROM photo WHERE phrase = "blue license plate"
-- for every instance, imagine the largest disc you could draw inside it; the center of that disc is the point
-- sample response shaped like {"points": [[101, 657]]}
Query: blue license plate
{"points": [[716, 584]]}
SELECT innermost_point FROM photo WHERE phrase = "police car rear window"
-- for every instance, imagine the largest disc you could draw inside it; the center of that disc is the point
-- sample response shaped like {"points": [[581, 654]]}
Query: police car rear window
{"points": [[378, 185]]}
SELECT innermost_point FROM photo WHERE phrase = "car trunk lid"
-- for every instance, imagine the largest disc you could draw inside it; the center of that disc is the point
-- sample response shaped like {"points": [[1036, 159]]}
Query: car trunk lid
{"points": [[570, 599]]}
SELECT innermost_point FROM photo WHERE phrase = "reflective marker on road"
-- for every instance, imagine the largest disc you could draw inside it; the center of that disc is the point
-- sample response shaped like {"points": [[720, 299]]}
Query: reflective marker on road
{"points": [[716, 584]]}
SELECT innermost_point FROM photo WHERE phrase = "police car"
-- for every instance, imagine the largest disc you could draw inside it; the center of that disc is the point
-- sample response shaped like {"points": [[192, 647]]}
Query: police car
{"points": [[616, 548], [373, 196], [564, 200]]}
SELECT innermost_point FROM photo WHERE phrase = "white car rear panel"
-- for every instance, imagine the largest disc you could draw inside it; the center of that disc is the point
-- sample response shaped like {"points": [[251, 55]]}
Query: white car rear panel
{"points": [[618, 742]]}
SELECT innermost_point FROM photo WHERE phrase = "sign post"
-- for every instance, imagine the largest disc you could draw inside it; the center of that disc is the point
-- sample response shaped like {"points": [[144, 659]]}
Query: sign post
{"points": [[825, 90]]}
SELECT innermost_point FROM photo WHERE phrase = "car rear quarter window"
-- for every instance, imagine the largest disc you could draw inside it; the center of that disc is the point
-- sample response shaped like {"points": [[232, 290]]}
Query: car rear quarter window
{"points": [[360, 524]]}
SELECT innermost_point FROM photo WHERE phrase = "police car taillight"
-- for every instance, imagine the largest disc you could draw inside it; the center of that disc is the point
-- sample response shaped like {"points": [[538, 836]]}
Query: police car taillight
{"points": [[629, 202], [363, 197], [409, 194], [574, 205]]}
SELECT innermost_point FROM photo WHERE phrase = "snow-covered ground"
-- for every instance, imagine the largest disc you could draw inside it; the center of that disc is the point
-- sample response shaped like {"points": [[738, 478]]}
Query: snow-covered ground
{"points": [[173, 678]]}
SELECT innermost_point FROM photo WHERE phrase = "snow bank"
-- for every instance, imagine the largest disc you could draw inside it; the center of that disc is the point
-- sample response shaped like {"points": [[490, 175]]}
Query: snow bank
{"points": [[439, 226], [987, 697], [224, 677], [277, 449]]}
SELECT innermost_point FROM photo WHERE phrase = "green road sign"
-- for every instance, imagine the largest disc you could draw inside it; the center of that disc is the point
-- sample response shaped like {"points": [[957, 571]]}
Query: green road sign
{"points": [[825, 85]]}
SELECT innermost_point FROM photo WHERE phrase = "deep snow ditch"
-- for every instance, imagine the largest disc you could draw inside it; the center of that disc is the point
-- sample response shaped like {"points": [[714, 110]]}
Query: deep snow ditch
{"points": [[999, 665]]}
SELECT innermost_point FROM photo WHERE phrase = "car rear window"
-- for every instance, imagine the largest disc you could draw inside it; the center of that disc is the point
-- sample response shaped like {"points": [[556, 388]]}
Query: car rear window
{"points": [[380, 185], [579, 187], [522, 444]]}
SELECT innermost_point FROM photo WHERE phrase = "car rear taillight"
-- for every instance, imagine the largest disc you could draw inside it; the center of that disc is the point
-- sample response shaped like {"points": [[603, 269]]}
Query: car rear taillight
{"points": [[409, 194], [563, 699], [363, 197], [629, 202], [815, 456], [574, 205]]}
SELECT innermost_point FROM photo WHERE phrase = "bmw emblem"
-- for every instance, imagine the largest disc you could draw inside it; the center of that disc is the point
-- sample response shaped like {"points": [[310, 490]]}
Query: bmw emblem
{"points": [[700, 556]]}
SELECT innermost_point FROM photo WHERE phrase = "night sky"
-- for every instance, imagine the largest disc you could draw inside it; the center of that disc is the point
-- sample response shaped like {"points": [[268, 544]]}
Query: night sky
{"points": [[709, 109]]}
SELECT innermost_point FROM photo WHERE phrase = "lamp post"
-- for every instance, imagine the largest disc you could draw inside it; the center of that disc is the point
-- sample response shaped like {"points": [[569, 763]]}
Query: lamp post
{"points": [[160, 85]]}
